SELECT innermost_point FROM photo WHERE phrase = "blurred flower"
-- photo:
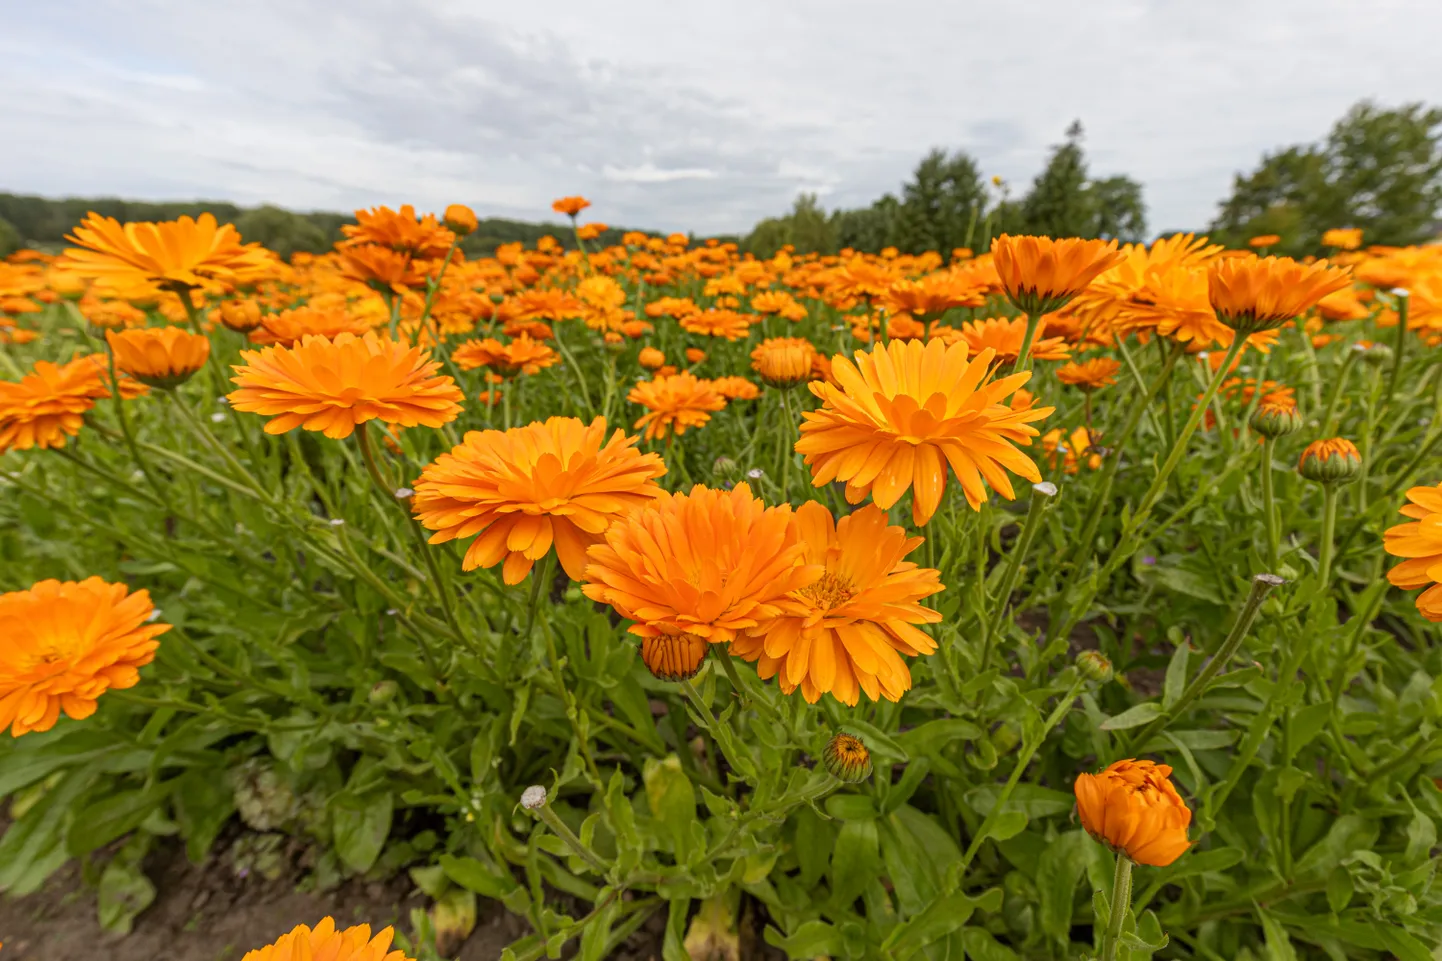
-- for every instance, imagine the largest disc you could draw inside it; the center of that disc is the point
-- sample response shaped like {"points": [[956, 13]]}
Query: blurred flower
{"points": [[1420, 543], [555, 482], [1004, 335], [736, 388], [521, 356], [591, 231], [1041, 275], [1132, 808], [333, 386], [381, 268], [844, 632], [460, 219], [1090, 374], [784, 362], [727, 324], [1076, 446], [1273, 420], [48, 404], [570, 206], [176, 253], [695, 355], [1264, 240], [241, 316], [1252, 294], [1343, 238], [163, 357], [66, 643], [651, 358], [326, 943], [399, 230], [675, 403]]}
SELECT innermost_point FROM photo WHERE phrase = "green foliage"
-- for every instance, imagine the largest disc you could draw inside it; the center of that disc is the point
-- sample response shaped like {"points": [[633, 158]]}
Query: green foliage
{"points": [[282, 231], [1378, 169], [10, 239], [807, 229]]}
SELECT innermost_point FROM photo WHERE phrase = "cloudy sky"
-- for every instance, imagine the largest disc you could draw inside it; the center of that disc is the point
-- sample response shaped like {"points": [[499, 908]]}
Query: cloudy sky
{"points": [[673, 114]]}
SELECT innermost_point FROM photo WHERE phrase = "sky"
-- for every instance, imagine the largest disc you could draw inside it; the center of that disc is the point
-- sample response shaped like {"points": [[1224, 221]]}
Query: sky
{"points": [[672, 114]]}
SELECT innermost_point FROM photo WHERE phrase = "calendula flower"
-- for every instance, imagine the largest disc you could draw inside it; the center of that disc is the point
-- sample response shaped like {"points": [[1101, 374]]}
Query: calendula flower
{"points": [[1276, 419], [708, 564], [326, 943], [1004, 335], [554, 482], [163, 357], [651, 358], [179, 253], [674, 657], [727, 324], [736, 388], [847, 759], [784, 362], [905, 411], [1041, 275], [552, 305], [1330, 461], [1420, 544], [380, 267], [399, 230], [1264, 240], [570, 206], [460, 220], [1072, 449], [934, 294], [1252, 294], [675, 403], [1343, 238], [288, 327], [67, 643], [591, 231], [241, 316], [333, 386], [1132, 808], [521, 356], [48, 405], [845, 632], [1090, 374]]}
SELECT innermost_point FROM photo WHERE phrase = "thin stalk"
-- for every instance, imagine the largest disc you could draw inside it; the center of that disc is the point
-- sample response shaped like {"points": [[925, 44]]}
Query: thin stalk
{"points": [[1121, 904], [1328, 428], [1041, 494], [554, 822], [1269, 505], [1329, 529], [1403, 301], [1023, 360]]}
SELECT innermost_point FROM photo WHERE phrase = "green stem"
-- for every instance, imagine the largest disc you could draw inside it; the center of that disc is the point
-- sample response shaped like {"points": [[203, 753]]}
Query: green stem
{"points": [[1329, 528], [123, 417], [1120, 905], [1403, 301], [1023, 360], [787, 442], [553, 821], [1269, 506], [1041, 494], [1328, 429]]}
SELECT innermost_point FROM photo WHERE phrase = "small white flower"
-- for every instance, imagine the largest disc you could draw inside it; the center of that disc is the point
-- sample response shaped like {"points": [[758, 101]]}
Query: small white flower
{"points": [[1359, 348], [403, 492], [1202, 355], [392, 612], [136, 475], [337, 521], [755, 473], [533, 797], [217, 417]]}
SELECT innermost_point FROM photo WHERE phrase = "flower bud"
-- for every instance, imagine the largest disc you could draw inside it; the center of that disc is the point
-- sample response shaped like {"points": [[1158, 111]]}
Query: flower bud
{"points": [[533, 797], [384, 692], [726, 469], [241, 316], [1376, 355], [651, 358], [674, 657], [847, 758], [1094, 666], [1276, 420], [460, 219], [1132, 808], [1332, 461]]}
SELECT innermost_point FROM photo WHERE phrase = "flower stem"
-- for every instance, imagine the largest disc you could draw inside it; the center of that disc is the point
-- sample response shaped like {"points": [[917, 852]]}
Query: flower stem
{"points": [[1403, 302], [1337, 390], [1023, 359], [1041, 494], [787, 442], [1269, 505], [1121, 903], [1329, 530], [553, 821]]}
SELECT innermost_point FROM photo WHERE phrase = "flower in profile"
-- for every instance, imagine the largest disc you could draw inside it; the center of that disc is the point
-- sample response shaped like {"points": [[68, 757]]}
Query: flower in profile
{"points": [[934, 294], [66, 643], [241, 316], [1343, 238], [845, 632], [1090, 374], [380, 267], [163, 357], [591, 231], [48, 405], [1041, 275], [570, 206], [288, 327], [1264, 240], [399, 230], [1004, 336], [521, 356], [847, 759], [326, 943], [555, 482], [736, 388], [1132, 808], [333, 386], [903, 412], [1273, 419], [727, 324], [1419, 543], [460, 220], [708, 564], [1251, 294], [695, 355], [176, 254], [784, 362], [675, 403], [1331, 461]]}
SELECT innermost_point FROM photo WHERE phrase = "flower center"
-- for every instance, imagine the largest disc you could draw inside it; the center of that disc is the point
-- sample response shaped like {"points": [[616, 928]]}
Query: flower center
{"points": [[830, 592]]}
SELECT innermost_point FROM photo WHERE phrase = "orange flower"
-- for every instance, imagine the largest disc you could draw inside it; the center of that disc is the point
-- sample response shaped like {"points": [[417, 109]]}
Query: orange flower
{"points": [[736, 388], [695, 355], [241, 316], [1090, 374], [48, 405], [1264, 240], [401, 231], [1004, 336], [1132, 808], [1343, 238], [288, 327], [66, 643], [902, 412], [1252, 294], [1420, 544], [176, 253], [164, 357], [460, 219], [325, 943], [844, 632], [1072, 449], [381, 267], [570, 206], [677, 307], [934, 294], [558, 482], [333, 386], [676, 402], [591, 231], [651, 358], [552, 305], [1330, 461], [1041, 275], [784, 362], [709, 564], [718, 323], [777, 302], [521, 356]]}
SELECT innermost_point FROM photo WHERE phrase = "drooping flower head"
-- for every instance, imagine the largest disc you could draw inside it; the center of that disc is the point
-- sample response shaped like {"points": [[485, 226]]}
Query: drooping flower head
{"points": [[1040, 274], [706, 564], [784, 362], [65, 644], [326, 943], [902, 413], [1092, 374], [333, 386], [675, 403], [179, 253], [1252, 294], [1132, 808], [1420, 544], [555, 482], [845, 632], [163, 357]]}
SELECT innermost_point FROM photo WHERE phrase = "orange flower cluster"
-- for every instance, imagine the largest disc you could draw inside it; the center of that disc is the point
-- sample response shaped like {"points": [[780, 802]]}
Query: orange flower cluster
{"points": [[49, 404]]}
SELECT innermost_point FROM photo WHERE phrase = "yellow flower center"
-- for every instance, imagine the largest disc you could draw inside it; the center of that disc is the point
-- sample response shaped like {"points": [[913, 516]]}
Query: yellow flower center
{"points": [[831, 591]]}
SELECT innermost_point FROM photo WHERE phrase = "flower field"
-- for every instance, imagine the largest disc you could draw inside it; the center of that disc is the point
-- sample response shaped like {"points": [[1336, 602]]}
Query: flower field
{"points": [[1063, 599]]}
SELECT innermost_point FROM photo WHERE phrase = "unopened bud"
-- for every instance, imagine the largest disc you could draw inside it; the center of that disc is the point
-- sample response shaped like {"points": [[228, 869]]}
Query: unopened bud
{"points": [[1332, 461], [384, 692], [533, 798], [1276, 420], [1376, 355], [1094, 666], [847, 758], [674, 657]]}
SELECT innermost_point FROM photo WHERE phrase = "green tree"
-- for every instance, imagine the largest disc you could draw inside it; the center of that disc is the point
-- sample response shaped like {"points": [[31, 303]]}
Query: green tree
{"points": [[943, 204], [282, 231], [869, 228], [807, 228], [1118, 211], [1059, 203], [1378, 169], [10, 239]]}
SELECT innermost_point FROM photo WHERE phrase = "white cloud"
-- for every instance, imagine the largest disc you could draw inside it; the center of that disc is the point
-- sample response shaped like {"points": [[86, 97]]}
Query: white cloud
{"points": [[671, 116]]}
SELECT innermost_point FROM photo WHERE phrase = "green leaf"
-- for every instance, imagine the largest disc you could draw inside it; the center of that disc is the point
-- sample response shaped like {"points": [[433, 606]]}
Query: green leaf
{"points": [[1339, 889], [1033, 800], [673, 802], [813, 845], [1060, 868], [1348, 833], [474, 875], [855, 860], [1421, 837], [813, 939], [113, 816], [360, 826], [1308, 722], [1008, 824], [1279, 946], [1176, 680], [851, 807], [124, 890], [981, 946], [203, 803], [673, 946], [1132, 717], [941, 917], [34, 846], [1187, 582], [884, 750]]}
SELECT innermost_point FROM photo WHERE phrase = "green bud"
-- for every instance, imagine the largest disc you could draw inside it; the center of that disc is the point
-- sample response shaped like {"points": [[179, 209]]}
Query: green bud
{"points": [[847, 758], [384, 692], [1332, 461], [1276, 420], [1094, 666]]}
